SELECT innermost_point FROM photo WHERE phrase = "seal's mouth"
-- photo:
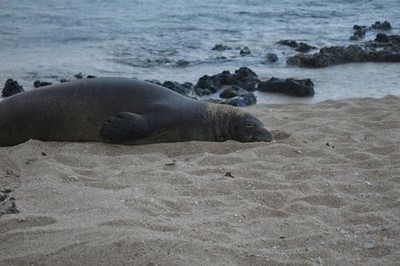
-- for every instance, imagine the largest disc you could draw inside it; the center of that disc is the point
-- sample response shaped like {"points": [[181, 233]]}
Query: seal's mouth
{"points": [[261, 134]]}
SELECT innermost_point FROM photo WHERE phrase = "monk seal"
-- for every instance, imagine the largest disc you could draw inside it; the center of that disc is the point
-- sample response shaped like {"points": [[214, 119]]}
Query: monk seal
{"points": [[120, 111]]}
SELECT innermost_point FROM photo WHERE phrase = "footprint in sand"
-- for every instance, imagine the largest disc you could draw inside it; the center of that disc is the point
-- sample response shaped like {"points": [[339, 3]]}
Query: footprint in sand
{"points": [[279, 135]]}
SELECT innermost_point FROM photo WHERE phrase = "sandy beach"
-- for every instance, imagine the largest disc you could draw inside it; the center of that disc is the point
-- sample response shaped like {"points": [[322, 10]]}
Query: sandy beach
{"points": [[326, 191]]}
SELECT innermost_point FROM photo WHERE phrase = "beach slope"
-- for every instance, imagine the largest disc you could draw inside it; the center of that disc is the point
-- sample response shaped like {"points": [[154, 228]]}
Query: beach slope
{"points": [[325, 192]]}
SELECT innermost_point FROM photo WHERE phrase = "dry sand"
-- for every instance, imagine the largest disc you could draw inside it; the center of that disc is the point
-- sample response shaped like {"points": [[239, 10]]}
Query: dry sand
{"points": [[325, 192]]}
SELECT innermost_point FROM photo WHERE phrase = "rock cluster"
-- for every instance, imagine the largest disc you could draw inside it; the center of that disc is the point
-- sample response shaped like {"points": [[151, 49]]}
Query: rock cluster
{"points": [[235, 89], [383, 49], [360, 30], [238, 88]]}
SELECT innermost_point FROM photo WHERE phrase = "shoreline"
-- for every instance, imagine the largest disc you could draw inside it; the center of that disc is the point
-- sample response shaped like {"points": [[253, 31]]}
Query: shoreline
{"points": [[361, 80]]}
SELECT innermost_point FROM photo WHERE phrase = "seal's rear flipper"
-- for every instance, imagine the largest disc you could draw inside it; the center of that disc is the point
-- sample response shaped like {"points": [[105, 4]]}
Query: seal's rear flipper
{"points": [[124, 127]]}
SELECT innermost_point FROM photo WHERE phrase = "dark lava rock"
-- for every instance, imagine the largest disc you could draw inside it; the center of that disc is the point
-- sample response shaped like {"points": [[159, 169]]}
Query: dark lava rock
{"points": [[300, 47], [359, 27], [392, 41], [244, 51], [39, 83], [383, 49], [78, 76], [271, 57], [186, 88], [329, 56], [243, 77], [241, 101], [11, 87], [359, 32], [211, 84], [292, 87], [305, 48], [289, 43], [246, 78], [221, 47], [231, 92], [237, 96], [381, 25], [381, 37]]}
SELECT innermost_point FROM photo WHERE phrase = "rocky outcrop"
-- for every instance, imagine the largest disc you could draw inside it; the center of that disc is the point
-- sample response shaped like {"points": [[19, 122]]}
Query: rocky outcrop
{"points": [[11, 87], [299, 47], [237, 96], [38, 83], [271, 57], [211, 84], [221, 47], [381, 25], [291, 87], [243, 77], [361, 30], [243, 50], [384, 49], [246, 78]]}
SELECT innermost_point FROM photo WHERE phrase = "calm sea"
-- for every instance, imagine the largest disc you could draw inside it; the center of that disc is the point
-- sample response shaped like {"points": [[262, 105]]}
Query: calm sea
{"points": [[173, 40]]}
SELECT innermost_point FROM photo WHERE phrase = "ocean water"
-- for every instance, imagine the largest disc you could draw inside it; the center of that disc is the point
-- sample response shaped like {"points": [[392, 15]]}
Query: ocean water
{"points": [[173, 40]]}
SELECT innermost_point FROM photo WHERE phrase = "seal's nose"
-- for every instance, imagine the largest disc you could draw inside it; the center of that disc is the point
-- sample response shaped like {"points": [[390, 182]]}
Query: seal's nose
{"points": [[263, 135], [268, 136]]}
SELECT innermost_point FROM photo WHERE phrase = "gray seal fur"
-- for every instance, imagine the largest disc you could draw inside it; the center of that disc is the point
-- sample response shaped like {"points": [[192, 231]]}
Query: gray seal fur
{"points": [[121, 111]]}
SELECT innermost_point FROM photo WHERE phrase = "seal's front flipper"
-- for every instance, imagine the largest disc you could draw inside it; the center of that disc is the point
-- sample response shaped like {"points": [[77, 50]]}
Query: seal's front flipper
{"points": [[124, 127]]}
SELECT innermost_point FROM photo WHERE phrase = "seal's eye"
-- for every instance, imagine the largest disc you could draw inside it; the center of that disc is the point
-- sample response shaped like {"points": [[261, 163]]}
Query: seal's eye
{"points": [[250, 125]]}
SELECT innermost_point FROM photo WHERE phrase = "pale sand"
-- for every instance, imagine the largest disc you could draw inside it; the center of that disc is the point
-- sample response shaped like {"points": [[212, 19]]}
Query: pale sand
{"points": [[325, 192]]}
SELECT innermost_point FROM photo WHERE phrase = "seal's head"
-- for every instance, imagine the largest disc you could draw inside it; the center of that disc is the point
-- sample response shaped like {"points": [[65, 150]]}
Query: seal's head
{"points": [[252, 129], [224, 122]]}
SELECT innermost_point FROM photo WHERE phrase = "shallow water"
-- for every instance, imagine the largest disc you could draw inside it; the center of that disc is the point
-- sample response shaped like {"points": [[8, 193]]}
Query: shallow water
{"points": [[173, 40]]}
